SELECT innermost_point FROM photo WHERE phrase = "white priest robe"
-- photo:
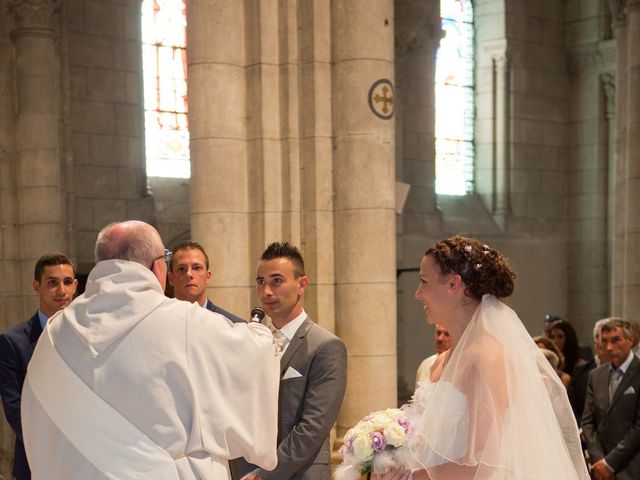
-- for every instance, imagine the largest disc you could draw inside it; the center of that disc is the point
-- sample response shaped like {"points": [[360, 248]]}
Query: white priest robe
{"points": [[195, 385]]}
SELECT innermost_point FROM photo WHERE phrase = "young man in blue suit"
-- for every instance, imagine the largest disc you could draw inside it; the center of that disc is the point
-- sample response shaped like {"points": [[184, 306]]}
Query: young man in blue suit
{"points": [[313, 372], [55, 283], [189, 275]]}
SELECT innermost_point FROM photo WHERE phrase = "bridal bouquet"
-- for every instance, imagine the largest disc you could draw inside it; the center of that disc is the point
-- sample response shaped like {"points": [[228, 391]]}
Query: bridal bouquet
{"points": [[373, 445]]}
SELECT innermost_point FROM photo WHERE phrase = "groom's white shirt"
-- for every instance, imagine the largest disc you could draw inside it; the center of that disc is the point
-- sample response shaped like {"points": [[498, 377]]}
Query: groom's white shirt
{"points": [[200, 387], [290, 329]]}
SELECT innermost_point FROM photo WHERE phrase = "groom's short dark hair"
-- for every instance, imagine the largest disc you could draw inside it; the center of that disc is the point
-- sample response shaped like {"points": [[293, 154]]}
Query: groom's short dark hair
{"points": [[285, 250]]}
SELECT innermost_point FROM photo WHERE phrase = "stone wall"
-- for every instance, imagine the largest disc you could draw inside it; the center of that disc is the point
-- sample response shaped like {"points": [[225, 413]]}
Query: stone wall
{"points": [[591, 57], [105, 124]]}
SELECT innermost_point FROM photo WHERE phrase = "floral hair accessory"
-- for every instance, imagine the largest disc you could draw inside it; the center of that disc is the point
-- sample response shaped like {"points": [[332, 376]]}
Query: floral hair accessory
{"points": [[468, 248], [478, 266]]}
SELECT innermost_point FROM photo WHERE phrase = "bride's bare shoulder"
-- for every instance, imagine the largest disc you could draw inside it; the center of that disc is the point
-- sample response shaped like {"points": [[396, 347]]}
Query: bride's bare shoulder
{"points": [[486, 350]]}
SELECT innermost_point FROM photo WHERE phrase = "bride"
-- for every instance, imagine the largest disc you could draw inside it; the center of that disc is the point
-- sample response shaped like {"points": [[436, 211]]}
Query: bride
{"points": [[493, 408]]}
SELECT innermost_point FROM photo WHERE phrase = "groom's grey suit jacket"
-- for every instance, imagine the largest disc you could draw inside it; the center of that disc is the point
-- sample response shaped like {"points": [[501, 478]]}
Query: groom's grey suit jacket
{"points": [[308, 405], [612, 428]]}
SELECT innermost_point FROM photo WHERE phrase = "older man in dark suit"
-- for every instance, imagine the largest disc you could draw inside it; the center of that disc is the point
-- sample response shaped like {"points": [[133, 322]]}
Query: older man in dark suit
{"points": [[55, 283], [190, 275], [611, 418], [313, 371]]}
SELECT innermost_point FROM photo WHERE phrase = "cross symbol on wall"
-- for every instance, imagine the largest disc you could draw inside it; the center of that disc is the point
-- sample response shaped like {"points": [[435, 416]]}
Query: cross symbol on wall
{"points": [[384, 99]]}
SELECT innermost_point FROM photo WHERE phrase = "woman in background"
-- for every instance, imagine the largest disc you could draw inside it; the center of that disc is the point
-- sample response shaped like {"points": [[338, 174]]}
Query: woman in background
{"points": [[545, 343], [564, 336]]}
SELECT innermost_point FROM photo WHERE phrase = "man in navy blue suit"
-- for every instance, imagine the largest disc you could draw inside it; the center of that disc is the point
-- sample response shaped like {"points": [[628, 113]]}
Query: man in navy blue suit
{"points": [[55, 283], [189, 274]]}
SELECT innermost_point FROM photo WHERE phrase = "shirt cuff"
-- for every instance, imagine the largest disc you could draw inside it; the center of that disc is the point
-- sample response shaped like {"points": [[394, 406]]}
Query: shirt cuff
{"points": [[608, 466]]}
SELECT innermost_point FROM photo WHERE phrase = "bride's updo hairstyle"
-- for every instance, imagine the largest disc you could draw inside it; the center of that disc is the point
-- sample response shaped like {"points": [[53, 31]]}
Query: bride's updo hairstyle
{"points": [[482, 269]]}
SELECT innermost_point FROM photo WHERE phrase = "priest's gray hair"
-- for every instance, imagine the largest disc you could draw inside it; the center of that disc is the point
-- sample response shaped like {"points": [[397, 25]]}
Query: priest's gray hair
{"points": [[132, 240]]}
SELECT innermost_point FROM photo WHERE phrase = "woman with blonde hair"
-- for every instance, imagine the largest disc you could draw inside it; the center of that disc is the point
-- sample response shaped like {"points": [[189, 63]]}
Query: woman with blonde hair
{"points": [[545, 343]]}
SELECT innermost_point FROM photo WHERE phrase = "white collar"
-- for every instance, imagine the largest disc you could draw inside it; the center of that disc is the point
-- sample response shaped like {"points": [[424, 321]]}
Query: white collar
{"points": [[290, 329]]}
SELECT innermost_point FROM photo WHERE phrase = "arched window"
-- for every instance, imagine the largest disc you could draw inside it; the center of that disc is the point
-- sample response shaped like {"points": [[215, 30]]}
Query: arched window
{"points": [[455, 110], [165, 88]]}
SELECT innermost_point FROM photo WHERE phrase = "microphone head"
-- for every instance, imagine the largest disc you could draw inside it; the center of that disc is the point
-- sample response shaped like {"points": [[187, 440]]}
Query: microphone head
{"points": [[257, 314]]}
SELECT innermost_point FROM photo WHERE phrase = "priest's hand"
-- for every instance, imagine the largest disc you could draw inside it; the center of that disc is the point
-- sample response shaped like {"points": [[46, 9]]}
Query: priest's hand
{"points": [[602, 471]]}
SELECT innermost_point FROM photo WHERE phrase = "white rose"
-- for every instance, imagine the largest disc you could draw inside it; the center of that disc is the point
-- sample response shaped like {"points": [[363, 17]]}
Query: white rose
{"points": [[394, 434], [380, 419], [394, 413], [362, 448], [362, 427]]}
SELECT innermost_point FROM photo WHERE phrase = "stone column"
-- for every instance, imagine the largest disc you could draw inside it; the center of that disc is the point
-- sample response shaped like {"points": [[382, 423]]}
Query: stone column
{"points": [[39, 170], [311, 77], [502, 136], [500, 142], [632, 280], [11, 311], [618, 249], [609, 88], [217, 119], [417, 38], [364, 176], [10, 264]]}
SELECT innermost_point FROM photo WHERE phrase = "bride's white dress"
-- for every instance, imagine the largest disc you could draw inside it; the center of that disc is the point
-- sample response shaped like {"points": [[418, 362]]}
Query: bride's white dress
{"points": [[498, 409], [451, 431]]}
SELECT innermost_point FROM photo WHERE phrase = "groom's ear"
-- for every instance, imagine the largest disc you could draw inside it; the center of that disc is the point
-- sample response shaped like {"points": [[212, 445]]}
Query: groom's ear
{"points": [[303, 283]]}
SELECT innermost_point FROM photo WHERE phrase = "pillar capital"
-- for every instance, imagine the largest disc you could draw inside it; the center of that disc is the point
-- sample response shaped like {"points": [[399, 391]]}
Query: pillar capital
{"points": [[609, 85], [618, 12], [36, 16], [632, 6], [498, 52], [417, 27]]}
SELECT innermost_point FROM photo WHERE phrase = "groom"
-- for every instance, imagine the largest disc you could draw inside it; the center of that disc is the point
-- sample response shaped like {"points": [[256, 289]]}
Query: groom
{"points": [[313, 372]]}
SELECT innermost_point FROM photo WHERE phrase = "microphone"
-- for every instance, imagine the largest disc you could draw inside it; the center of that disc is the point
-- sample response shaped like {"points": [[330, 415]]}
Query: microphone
{"points": [[257, 314]]}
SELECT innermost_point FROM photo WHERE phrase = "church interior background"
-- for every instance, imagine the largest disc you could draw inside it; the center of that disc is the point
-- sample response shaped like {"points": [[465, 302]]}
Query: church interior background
{"points": [[324, 123]]}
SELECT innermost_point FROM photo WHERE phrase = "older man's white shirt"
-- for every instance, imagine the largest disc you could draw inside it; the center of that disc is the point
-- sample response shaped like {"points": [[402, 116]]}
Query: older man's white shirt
{"points": [[200, 387]]}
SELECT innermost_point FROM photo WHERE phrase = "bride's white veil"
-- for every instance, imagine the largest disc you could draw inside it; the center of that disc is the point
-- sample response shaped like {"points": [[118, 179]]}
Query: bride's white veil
{"points": [[499, 410]]}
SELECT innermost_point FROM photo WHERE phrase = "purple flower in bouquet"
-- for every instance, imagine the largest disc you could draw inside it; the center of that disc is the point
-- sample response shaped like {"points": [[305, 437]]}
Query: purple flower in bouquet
{"points": [[378, 442], [406, 424], [348, 446], [372, 445]]}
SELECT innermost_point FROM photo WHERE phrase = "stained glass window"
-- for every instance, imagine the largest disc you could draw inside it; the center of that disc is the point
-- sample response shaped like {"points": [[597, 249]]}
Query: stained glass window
{"points": [[455, 110], [165, 88]]}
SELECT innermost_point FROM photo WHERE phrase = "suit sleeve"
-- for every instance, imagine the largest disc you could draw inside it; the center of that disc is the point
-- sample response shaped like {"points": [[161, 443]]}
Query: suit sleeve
{"points": [[323, 398], [629, 446], [10, 384], [572, 390], [589, 423]]}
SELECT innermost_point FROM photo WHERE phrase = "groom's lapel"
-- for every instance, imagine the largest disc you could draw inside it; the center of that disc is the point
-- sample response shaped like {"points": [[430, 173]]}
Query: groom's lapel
{"points": [[294, 345]]}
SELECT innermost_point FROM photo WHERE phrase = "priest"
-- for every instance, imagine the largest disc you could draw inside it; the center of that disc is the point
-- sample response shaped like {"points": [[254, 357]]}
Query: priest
{"points": [[128, 384]]}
